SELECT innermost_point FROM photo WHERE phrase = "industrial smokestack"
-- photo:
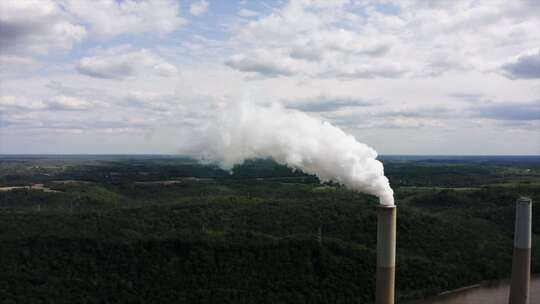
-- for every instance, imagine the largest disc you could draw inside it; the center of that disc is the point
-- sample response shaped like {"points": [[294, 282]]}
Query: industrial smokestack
{"points": [[386, 254], [521, 262], [245, 130]]}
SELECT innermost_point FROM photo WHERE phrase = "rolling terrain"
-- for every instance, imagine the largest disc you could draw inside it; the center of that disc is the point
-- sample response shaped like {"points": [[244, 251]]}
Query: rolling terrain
{"points": [[157, 229]]}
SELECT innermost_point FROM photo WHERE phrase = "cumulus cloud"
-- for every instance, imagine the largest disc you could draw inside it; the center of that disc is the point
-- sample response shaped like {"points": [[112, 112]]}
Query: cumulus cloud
{"points": [[341, 41], [402, 64], [304, 38], [366, 40], [36, 26], [107, 18], [199, 8], [121, 64], [269, 63], [47, 26], [524, 66]]}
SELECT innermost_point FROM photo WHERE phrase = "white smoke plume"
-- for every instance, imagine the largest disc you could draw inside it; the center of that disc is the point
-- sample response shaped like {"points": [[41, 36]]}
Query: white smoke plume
{"points": [[244, 131]]}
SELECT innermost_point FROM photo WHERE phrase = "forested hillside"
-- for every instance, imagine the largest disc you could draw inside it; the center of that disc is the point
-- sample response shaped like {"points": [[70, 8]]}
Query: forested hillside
{"points": [[167, 230]]}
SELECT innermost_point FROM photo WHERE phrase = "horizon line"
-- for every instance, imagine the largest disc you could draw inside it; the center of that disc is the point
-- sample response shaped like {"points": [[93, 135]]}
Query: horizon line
{"points": [[181, 155]]}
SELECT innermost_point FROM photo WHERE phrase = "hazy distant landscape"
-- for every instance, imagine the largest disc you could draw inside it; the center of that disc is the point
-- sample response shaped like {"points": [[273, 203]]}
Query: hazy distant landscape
{"points": [[150, 228]]}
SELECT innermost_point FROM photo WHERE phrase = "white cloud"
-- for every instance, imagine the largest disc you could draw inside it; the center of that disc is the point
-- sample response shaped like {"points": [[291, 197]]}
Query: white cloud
{"points": [[304, 38], [9, 102], [69, 103], [269, 63], [365, 40], [199, 8], [340, 41], [108, 18], [14, 104], [121, 63], [406, 76], [386, 70], [48, 26], [36, 26]]}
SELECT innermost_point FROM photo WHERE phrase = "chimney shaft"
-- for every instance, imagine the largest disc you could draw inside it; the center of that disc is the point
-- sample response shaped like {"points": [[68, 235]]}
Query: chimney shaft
{"points": [[521, 262], [386, 254]]}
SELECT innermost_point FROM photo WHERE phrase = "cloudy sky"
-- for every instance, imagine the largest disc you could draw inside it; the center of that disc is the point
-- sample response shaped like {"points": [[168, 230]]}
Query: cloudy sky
{"points": [[143, 76]]}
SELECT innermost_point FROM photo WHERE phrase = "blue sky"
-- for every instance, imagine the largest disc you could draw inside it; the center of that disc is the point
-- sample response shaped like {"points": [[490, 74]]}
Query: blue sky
{"points": [[140, 76]]}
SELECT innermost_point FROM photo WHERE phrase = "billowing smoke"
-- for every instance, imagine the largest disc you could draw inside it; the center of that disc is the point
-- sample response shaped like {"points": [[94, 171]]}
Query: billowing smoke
{"points": [[290, 137]]}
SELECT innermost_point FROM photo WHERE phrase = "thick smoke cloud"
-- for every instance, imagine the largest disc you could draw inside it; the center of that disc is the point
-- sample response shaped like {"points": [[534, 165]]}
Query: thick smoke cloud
{"points": [[243, 131]]}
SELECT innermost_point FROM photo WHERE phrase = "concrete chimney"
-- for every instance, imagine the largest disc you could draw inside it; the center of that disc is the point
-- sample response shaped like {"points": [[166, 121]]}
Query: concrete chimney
{"points": [[521, 262], [386, 254]]}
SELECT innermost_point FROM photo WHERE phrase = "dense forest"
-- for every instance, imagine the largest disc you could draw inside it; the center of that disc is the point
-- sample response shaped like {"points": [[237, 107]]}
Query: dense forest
{"points": [[164, 229]]}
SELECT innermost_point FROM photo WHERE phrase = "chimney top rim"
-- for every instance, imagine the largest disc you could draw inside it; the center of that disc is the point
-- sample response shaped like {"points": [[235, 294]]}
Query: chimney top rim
{"points": [[524, 200], [386, 207]]}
